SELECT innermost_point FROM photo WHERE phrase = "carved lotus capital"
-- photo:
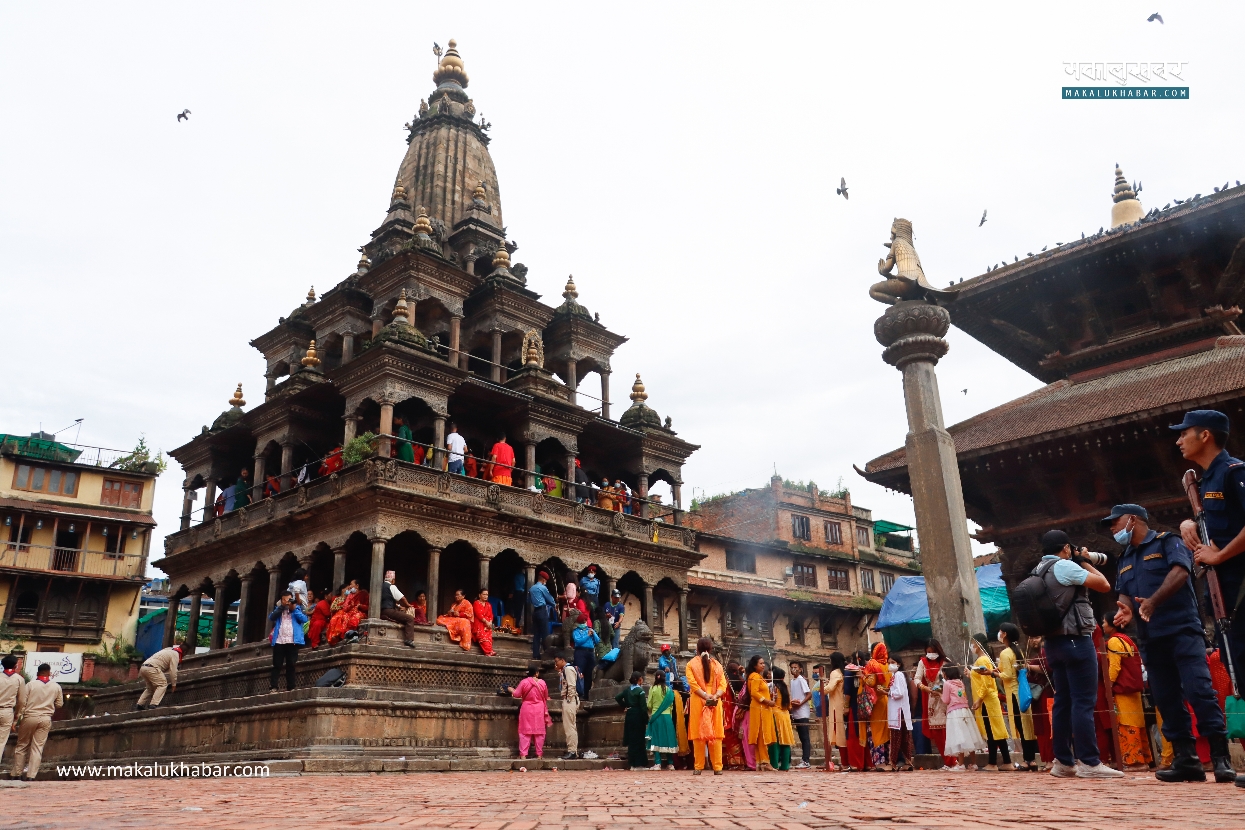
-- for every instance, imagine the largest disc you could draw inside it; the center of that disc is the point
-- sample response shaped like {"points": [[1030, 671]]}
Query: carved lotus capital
{"points": [[912, 332]]}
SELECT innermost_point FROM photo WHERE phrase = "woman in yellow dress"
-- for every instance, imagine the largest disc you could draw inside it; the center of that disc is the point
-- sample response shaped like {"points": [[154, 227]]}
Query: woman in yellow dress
{"points": [[780, 750], [1011, 661], [706, 725], [1124, 672], [761, 731], [986, 699]]}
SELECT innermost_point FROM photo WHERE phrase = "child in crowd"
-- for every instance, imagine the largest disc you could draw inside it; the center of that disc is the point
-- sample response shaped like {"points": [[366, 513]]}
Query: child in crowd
{"points": [[963, 739], [780, 750]]}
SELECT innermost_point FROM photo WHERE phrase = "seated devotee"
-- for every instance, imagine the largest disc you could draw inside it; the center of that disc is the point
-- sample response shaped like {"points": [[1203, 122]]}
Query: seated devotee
{"points": [[482, 623], [272, 486], [419, 608], [353, 612], [605, 496], [332, 462], [405, 452], [321, 613], [458, 620], [393, 605], [501, 461]]}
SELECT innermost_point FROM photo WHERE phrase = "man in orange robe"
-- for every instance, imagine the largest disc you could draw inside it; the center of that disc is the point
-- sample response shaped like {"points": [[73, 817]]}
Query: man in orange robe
{"points": [[459, 620], [501, 462]]}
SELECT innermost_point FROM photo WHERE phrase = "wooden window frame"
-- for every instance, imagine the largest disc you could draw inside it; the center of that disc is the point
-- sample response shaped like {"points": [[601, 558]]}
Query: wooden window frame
{"points": [[867, 582], [801, 527], [751, 557], [834, 533], [885, 577], [804, 574], [124, 489], [864, 538], [838, 579], [46, 476]]}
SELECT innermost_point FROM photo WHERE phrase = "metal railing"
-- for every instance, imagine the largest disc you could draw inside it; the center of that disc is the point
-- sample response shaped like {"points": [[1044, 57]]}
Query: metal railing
{"points": [[69, 560], [83, 454]]}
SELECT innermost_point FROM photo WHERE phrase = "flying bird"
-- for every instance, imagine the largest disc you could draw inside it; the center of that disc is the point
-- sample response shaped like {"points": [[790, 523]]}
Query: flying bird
{"points": [[965, 391], [1154, 17], [983, 219], [841, 190], [184, 115], [436, 49]]}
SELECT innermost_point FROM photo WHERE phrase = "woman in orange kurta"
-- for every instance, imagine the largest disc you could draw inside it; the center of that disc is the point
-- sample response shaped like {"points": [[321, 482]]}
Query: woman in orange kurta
{"points": [[459, 620], [877, 676], [705, 718], [482, 624], [761, 728]]}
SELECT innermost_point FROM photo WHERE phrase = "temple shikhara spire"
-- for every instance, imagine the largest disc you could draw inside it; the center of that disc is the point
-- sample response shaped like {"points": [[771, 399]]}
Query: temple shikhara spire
{"points": [[1126, 207]]}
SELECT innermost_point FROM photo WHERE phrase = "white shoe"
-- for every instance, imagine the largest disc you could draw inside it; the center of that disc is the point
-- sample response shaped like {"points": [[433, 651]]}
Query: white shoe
{"points": [[802, 765], [956, 768], [1098, 771], [1062, 770], [655, 767]]}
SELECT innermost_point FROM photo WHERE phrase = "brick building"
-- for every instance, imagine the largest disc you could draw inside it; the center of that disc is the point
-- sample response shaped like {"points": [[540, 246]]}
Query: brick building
{"points": [[792, 571]]}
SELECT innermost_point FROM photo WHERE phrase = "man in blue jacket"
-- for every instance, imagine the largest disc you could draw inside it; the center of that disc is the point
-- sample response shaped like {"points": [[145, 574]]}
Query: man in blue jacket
{"points": [[544, 607], [287, 637], [585, 640]]}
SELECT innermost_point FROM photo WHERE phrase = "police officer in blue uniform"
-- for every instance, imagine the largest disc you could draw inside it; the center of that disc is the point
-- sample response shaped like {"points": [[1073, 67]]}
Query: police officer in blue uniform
{"points": [[1203, 438], [1155, 589]]}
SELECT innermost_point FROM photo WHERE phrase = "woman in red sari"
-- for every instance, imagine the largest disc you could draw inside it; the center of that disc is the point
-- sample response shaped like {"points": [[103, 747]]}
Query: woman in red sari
{"points": [[419, 608], [352, 613], [482, 624], [459, 620], [320, 616], [932, 711]]}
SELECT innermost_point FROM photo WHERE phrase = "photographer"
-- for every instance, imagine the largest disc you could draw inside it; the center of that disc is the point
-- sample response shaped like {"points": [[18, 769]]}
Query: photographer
{"points": [[1068, 576], [1155, 590], [287, 637]]}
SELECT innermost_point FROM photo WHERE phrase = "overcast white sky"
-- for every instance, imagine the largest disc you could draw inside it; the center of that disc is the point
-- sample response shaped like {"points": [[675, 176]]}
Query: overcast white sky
{"points": [[680, 162]]}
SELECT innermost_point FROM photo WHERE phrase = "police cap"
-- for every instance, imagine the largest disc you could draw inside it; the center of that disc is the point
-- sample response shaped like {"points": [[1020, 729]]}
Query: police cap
{"points": [[1204, 418], [1127, 510]]}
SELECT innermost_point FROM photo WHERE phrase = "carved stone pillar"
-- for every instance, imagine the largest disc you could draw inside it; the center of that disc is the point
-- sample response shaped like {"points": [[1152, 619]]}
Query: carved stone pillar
{"points": [[642, 492], [527, 604], [347, 347], [605, 394], [376, 581], [274, 585], [569, 491], [386, 427], [529, 463], [271, 381], [244, 607], [220, 616], [648, 611], [495, 369], [571, 381], [682, 619], [192, 622], [351, 430], [188, 504], [434, 582], [170, 621], [377, 325], [438, 442], [676, 496], [258, 480], [455, 326], [209, 501], [339, 569], [484, 563], [287, 466]]}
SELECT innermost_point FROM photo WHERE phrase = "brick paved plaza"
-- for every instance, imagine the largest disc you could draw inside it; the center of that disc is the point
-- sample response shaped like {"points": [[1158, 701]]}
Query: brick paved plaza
{"points": [[607, 799]]}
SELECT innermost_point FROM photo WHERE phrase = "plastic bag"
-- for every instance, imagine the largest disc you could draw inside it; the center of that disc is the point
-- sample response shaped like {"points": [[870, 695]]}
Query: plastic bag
{"points": [[1234, 710], [1024, 693]]}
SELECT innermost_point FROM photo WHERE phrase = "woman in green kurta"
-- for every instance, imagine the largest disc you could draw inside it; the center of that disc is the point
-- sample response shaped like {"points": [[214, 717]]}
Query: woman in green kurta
{"points": [[405, 437], [660, 733], [635, 723]]}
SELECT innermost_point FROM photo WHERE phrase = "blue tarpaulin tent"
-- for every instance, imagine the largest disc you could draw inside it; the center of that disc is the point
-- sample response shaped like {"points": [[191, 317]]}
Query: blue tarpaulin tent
{"points": [[905, 611]]}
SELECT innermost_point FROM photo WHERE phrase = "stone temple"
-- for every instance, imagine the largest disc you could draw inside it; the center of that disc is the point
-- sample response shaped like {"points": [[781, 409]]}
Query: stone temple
{"points": [[436, 325]]}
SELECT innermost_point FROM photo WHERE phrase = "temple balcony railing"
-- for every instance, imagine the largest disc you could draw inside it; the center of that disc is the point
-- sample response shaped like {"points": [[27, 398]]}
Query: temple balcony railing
{"points": [[427, 482], [70, 561], [736, 578]]}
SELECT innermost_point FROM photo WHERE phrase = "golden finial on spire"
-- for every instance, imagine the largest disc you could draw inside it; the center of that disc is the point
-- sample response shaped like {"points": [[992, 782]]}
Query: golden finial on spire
{"points": [[570, 292], [364, 264], [637, 390], [310, 361], [1127, 207], [401, 313], [501, 259], [237, 400], [1122, 189], [311, 295], [451, 67], [422, 224], [399, 194]]}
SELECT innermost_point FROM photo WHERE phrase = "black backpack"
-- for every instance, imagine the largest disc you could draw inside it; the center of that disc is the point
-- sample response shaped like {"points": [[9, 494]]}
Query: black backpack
{"points": [[1035, 609]]}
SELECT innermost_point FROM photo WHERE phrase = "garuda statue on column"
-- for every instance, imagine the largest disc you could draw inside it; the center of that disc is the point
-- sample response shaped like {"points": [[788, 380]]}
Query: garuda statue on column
{"points": [[908, 282]]}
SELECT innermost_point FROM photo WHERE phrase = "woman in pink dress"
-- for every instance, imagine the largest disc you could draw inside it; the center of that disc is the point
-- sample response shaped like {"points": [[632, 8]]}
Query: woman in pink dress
{"points": [[533, 711]]}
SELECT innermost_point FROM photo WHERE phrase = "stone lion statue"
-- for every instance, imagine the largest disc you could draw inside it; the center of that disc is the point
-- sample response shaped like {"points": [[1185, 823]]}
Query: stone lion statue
{"points": [[908, 282], [634, 654]]}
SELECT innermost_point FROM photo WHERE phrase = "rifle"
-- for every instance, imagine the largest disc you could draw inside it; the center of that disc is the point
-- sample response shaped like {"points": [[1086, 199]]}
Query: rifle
{"points": [[1222, 620]]}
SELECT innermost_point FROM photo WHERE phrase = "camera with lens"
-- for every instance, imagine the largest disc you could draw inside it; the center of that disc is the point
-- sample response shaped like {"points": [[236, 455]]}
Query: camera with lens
{"points": [[1092, 557]]}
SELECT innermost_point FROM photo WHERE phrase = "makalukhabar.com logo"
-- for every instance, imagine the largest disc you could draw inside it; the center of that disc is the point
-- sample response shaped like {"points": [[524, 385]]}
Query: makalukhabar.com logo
{"points": [[1126, 79]]}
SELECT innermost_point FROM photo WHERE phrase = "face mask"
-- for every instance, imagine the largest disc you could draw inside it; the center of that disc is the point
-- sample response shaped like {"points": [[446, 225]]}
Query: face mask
{"points": [[892, 666], [1124, 536], [931, 655]]}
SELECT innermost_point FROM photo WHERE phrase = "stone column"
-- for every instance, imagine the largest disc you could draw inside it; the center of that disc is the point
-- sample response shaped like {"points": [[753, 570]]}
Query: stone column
{"points": [[495, 369], [258, 479], [676, 496], [188, 504], [339, 569], [484, 563], [220, 615], [386, 427], [455, 326], [209, 501], [347, 347], [571, 381], [912, 333], [605, 394], [570, 476], [438, 442], [244, 606], [170, 621], [642, 492], [192, 622], [434, 582], [529, 462], [274, 585], [376, 581], [527, 604], [648, 612], [287, 465], [682, 619], [351, 429], [271, 381], [377, 325]]}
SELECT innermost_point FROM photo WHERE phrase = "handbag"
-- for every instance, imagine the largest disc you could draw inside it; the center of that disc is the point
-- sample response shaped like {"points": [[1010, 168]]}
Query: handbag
{"points": [[1234, 710], [1024, 692], [865, 700]]}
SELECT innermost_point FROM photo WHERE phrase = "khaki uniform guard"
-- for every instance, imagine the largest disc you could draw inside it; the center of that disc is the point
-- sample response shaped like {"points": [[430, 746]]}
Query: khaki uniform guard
{"points": [[568, 674], [12, 698], [43, 698], [159, 671]]}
